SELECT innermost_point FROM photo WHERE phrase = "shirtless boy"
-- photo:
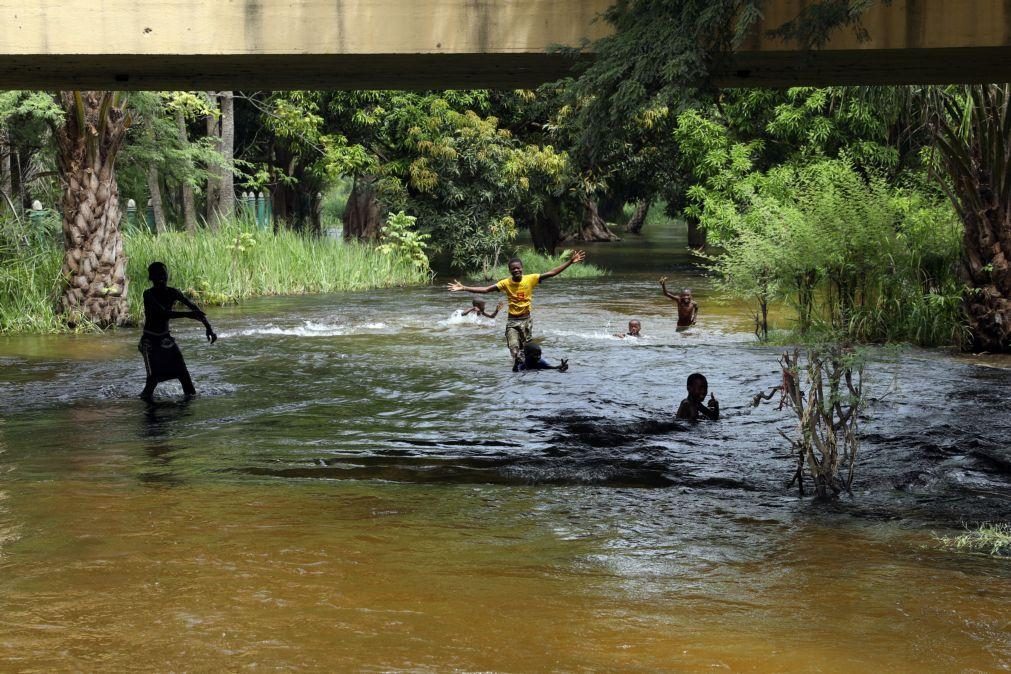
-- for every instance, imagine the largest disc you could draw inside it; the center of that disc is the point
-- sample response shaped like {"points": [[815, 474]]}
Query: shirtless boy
{"points": [[688, 308]]}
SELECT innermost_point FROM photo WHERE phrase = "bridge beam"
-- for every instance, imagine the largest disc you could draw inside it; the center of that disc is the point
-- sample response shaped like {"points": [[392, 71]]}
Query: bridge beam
{"points": [[421, 44]]}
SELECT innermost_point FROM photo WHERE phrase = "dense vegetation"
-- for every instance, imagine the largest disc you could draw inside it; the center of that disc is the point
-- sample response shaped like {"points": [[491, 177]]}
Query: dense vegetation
{"points": [[879, 214]]}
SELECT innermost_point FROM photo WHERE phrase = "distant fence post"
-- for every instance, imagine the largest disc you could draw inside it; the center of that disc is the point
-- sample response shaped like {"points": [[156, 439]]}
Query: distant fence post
{"points": [[38, 214], [131, 213], [149, 217], [249, 205], [262, 217]]}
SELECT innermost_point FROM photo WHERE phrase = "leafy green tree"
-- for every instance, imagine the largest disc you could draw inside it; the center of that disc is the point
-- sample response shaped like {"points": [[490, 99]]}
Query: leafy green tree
{"points": [[26, 143]]}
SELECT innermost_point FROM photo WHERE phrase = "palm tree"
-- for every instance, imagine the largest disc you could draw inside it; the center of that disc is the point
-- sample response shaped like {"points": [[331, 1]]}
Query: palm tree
{"points": [[94, 265], [971, 128]]}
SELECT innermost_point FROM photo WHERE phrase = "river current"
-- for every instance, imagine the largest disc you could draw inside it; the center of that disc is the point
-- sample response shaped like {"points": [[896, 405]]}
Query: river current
{"points": [[364, 484]]}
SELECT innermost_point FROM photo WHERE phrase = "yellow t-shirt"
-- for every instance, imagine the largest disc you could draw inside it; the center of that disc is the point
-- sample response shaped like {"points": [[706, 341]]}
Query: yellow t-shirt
{"points": [[519, 293]]}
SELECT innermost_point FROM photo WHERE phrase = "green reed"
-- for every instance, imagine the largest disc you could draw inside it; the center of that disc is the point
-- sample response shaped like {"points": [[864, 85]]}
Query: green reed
{"points": [[235, 262]]}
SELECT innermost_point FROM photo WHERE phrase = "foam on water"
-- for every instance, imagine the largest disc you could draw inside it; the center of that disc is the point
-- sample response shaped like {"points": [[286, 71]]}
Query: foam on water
{"points": [[458, 318], [307, 329]]}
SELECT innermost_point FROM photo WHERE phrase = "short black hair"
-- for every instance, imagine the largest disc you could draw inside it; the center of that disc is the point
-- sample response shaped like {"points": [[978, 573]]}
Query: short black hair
{"points": [[697, 376], [531, 348], [157, 268], [514, 259]]}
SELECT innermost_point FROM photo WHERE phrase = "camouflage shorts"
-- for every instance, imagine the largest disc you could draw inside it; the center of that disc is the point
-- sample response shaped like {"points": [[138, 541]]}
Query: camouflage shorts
{"points": [[519, 331]]}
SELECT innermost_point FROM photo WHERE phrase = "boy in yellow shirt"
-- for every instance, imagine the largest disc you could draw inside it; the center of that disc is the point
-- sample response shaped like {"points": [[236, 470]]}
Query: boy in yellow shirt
{"points": [[519, 290]]}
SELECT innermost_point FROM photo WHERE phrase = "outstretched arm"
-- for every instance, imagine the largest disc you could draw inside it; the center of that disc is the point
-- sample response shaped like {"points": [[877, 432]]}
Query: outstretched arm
{"points": [[577, 256], [196, 314], [456, 287], [663, 286]]}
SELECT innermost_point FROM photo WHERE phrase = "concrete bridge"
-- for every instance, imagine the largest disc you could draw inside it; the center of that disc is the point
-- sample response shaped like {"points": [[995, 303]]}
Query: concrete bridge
{"points": [[419, 44]]}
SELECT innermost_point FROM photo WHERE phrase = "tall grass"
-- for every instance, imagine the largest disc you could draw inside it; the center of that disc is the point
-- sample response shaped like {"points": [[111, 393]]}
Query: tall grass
{"points": [[538, 263], [30, 260], [988, 538], [238, 261], [235, 262]]}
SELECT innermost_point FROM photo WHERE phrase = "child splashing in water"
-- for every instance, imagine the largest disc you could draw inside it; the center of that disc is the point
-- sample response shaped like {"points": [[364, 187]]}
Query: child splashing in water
{"points": [[634, 330], [477, 307]]}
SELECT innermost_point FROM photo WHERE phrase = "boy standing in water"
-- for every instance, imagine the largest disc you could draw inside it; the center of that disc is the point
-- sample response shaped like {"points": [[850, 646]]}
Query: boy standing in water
{"points": [[519, 290], [691, 407], [162, 358], [688, 308]]}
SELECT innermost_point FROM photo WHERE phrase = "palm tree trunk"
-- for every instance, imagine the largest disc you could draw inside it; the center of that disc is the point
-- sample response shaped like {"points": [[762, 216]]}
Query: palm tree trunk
{"points": [[6, 181], [189, 203], [972, 134], [94, 266]]}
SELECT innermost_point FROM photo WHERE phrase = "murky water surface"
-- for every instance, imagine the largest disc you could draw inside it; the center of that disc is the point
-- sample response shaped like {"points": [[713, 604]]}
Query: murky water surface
{"points": [[364, 484]]}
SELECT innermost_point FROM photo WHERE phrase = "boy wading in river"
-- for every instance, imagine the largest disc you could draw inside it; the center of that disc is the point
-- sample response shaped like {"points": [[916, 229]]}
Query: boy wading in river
{"points": [[688, 308], [519, 290], [162, 358]]}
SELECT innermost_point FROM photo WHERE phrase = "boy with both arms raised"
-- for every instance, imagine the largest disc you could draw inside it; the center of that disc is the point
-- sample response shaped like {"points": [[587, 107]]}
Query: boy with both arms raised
{"points": [[519, 289]]}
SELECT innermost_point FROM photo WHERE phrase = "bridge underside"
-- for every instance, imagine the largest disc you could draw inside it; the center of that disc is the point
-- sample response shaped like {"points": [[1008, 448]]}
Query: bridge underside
{"points": [[481, 71], [433, 44]]}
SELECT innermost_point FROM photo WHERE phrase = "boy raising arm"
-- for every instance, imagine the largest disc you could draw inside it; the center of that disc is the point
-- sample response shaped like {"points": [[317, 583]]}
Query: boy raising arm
{"points": [[519, 290]]}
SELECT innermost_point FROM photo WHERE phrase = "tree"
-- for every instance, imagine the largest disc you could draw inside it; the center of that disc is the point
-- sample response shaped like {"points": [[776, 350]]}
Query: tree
{"points": [[972, 129], [161, 161], [94, 266]]}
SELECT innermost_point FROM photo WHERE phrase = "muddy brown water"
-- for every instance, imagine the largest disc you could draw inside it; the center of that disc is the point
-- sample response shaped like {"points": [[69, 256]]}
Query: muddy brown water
{"points": [[363, 484]]}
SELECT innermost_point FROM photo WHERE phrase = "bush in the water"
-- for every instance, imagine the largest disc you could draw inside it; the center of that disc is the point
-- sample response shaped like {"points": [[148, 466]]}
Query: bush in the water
{"points": [[851, 253], [826, 395]]}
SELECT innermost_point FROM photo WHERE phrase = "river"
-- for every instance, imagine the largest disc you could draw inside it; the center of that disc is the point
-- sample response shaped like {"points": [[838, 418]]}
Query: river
{"points": [[364, 484]]}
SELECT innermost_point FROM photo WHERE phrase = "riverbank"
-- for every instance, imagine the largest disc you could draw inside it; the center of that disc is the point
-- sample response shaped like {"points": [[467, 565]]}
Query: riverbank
{"points": [[215, 268]]}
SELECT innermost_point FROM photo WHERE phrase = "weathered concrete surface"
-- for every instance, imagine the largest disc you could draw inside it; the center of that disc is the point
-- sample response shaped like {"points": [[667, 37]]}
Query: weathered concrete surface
{"points": [[200, 44], [278, 44], [910, 42]]}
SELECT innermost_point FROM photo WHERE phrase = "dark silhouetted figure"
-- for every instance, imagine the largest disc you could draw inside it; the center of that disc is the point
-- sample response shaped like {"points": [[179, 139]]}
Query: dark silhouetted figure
{"points": [[531, 360], [691, 407], [162, 358]]}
